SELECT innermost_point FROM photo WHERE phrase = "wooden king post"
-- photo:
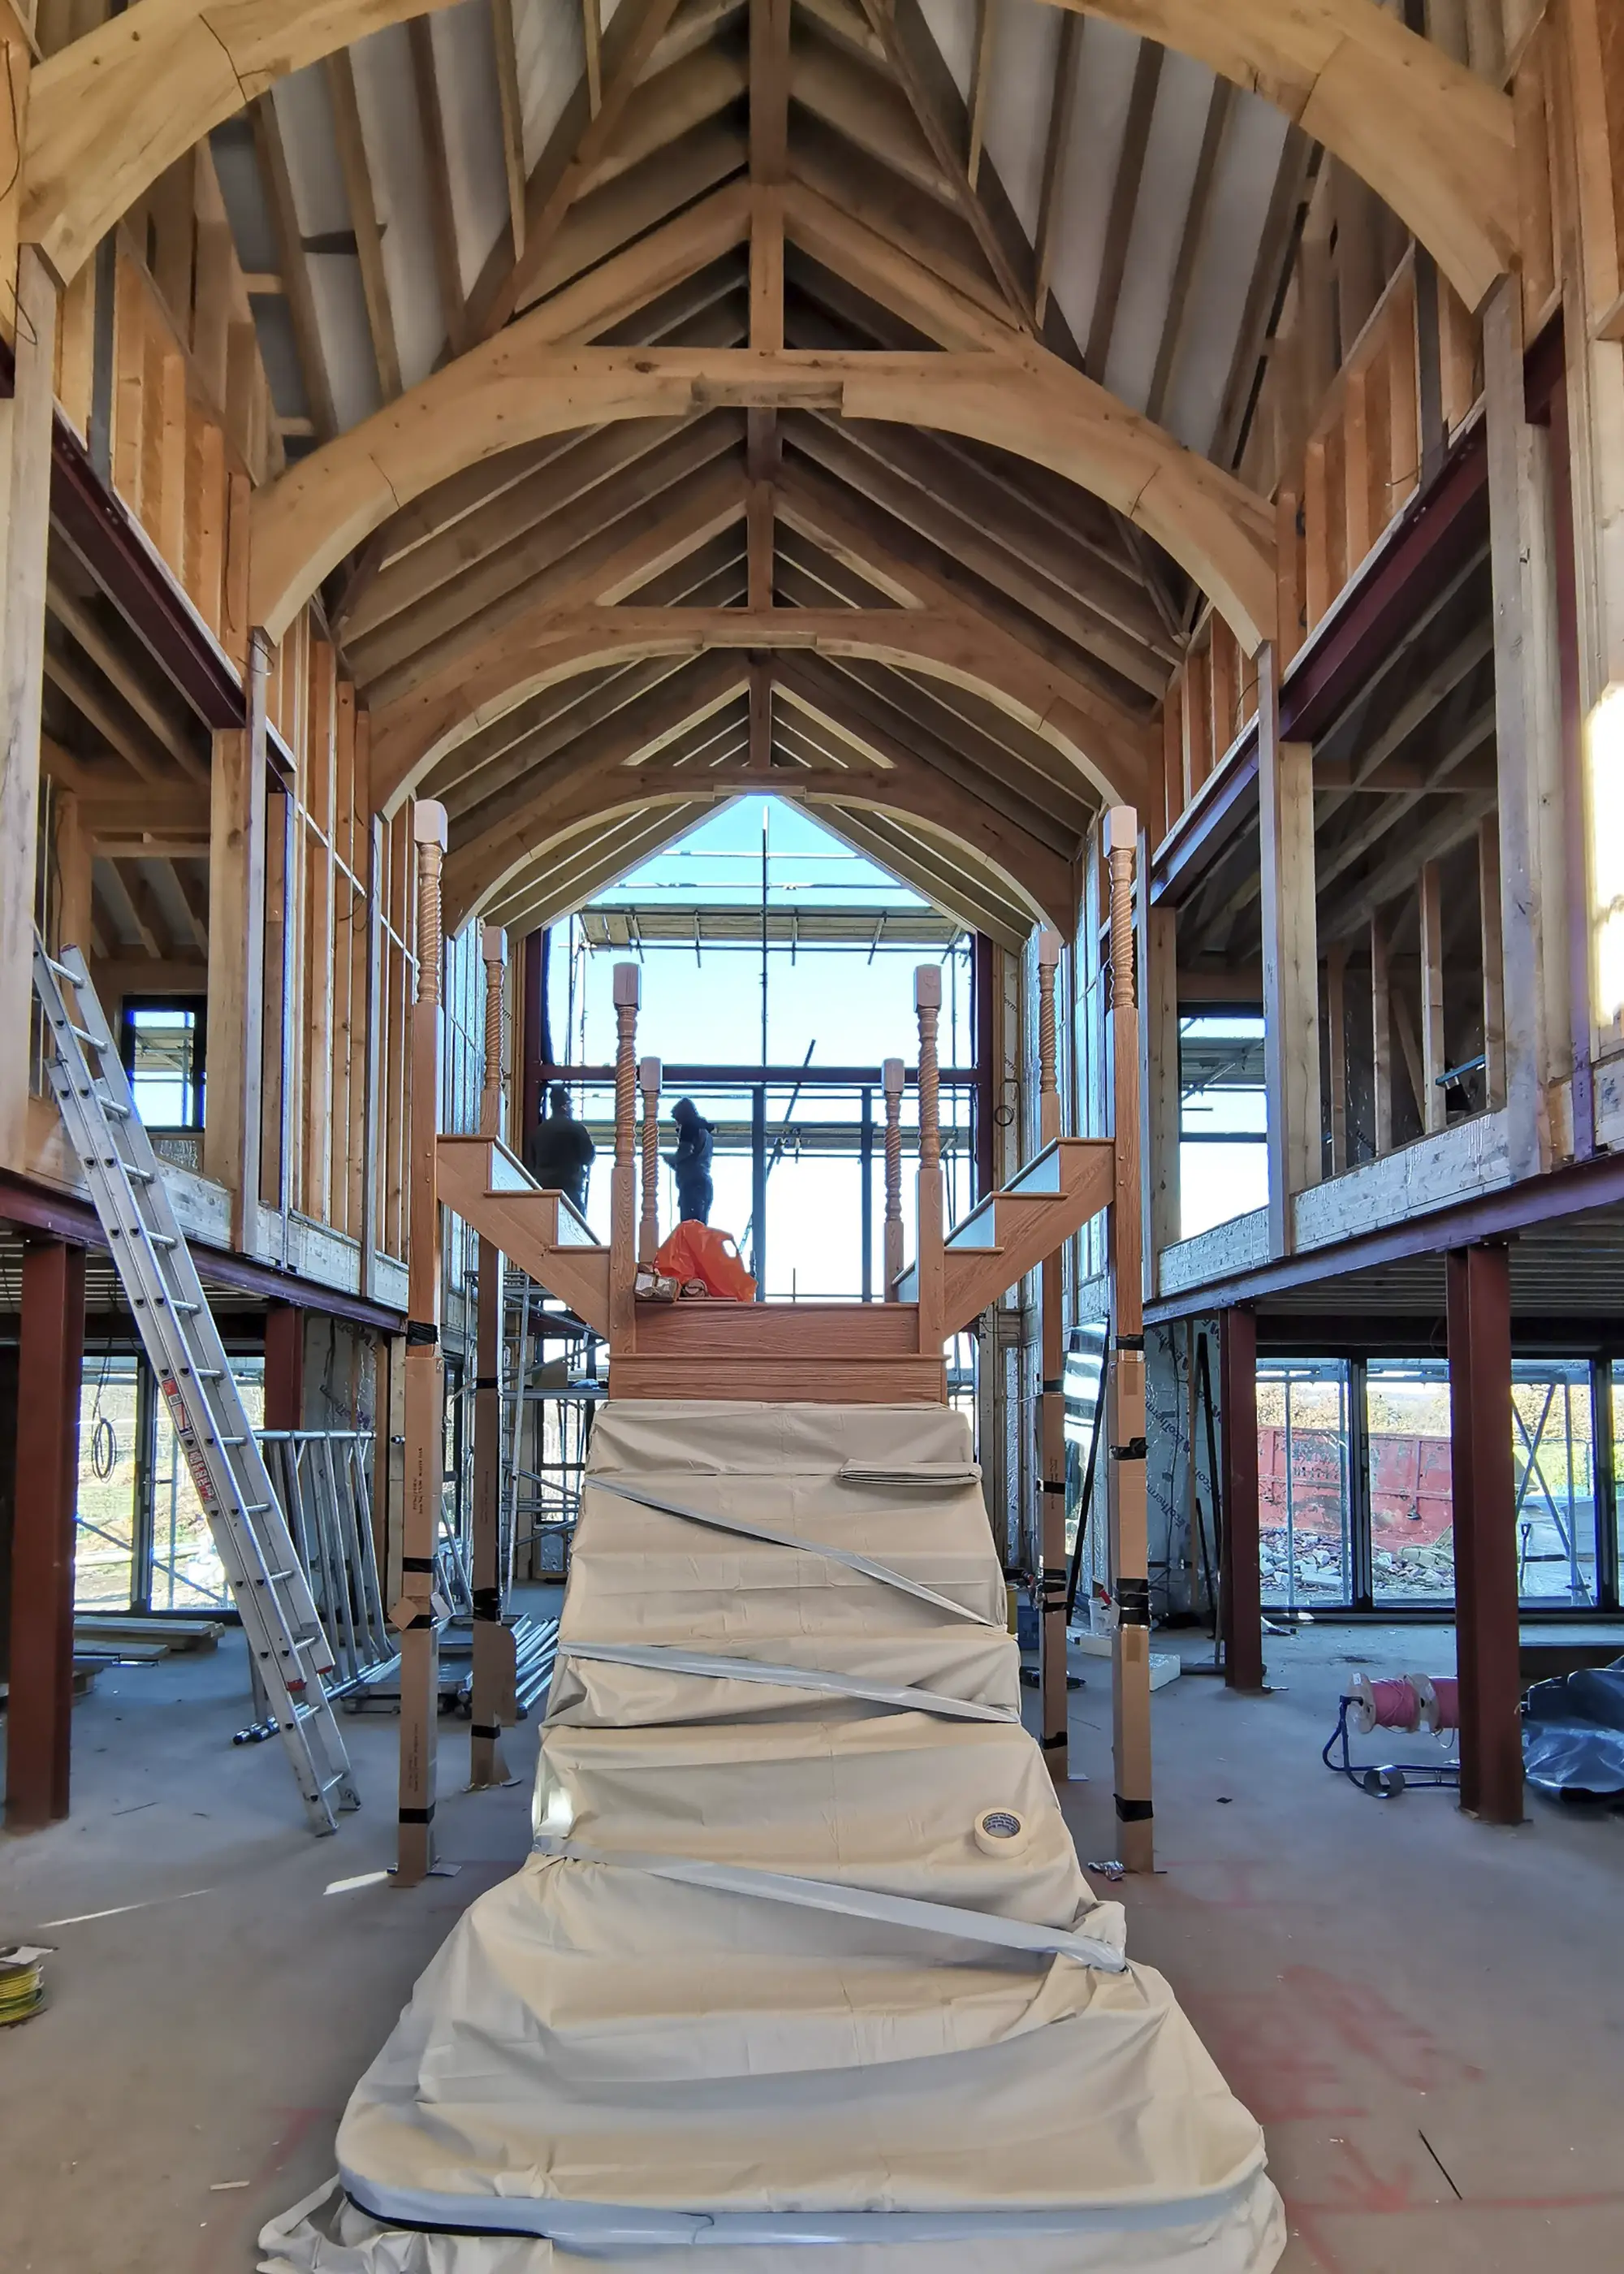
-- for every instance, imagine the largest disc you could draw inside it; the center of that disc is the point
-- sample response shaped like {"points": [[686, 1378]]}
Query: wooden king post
{"points": [[494, 1704], [1051, 1406], [416, 1616], [1129, 1541]]}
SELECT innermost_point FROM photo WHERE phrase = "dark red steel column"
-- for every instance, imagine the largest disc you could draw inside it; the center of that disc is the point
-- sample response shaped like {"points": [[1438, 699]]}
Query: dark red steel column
{"points": [[284, 1367], [1483, 1491], [1240, 1606], [40, 1712]]}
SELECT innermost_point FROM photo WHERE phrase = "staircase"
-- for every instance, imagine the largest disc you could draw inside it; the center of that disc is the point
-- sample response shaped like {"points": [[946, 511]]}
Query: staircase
{"points": [[1010, 1232], [541, 1232]]}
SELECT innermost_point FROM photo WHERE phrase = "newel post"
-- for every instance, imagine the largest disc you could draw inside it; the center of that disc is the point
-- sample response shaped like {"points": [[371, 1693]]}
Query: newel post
{"points": [[648, 1224], [892, 1078]]}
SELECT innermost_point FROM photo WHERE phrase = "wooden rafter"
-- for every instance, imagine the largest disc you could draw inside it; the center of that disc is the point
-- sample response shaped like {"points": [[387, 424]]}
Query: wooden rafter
{"points": [[575, 148], [1062, 111], [364, 219], [980, 83], [511, 101], [911, 53], [436, 165], [1220, 110], [278, 185], [1123, 206]]}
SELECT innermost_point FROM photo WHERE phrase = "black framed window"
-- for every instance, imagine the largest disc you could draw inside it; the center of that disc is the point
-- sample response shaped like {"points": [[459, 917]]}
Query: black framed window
{"points": [[161, 1039]]}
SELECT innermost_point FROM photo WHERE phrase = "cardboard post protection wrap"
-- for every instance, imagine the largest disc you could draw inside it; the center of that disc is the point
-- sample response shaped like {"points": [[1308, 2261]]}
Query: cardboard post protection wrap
{"points": [[803, 1958]]}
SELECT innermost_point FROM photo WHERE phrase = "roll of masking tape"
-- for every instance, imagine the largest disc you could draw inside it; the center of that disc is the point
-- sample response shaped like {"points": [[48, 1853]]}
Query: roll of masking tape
{"points": [[1000, 1831]]}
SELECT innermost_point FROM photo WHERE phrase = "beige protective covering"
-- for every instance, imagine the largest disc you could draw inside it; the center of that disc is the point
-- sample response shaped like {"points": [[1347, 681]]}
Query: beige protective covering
{"points": [[804, 1958]]}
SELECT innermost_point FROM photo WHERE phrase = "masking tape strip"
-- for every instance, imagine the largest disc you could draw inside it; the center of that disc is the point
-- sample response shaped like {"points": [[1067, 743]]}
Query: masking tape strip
{"points": [[864, 1902], [663, 1660], [869, 1569]]}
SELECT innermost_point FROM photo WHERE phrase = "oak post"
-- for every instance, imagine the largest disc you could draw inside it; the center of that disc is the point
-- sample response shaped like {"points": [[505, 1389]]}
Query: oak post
{"points": [[1129, 1541], [415, 1615], [25, 528], [236, 860], [1291, 959], [493, 1701], [1051, 1460]]}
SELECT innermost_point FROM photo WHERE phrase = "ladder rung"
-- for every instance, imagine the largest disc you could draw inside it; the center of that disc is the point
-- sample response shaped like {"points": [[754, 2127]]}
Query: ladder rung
{"points": [[83, 1034], [186, 1310]]}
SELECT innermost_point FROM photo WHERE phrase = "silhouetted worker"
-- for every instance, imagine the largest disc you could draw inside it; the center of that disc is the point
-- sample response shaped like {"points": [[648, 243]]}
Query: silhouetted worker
{"points": [[559, 1150], [690, 1163]]}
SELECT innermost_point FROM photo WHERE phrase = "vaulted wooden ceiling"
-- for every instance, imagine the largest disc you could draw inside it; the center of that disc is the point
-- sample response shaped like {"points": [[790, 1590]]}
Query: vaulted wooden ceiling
{"points": [[821, 176]]}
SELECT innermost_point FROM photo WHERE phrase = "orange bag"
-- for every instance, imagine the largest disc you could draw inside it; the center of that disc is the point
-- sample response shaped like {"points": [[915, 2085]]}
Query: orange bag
{"points": [[698, 1251]]}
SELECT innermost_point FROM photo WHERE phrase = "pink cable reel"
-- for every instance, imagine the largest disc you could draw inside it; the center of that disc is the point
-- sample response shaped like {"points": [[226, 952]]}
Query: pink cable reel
{"points": [[1407, 1702]]}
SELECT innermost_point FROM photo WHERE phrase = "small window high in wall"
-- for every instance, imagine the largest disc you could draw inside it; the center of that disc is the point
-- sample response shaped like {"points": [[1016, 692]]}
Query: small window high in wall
{"points": [[161, 1042]]}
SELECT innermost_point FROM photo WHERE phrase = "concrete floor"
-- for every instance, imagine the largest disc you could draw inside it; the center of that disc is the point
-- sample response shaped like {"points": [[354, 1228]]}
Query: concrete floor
{"points": [[1428, 2015]]}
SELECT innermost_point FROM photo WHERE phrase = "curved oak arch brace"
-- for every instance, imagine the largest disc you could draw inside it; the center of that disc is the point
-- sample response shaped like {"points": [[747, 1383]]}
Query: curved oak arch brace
{"points": [[110, 112], [517, 388], [1042, 883], [1434, 140], [107, 113], [410, 736]]}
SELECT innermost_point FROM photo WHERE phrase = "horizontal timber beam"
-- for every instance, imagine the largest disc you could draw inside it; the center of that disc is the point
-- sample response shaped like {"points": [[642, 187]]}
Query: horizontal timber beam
{"points": [[410, 736], [111, 111], [515, 387]]}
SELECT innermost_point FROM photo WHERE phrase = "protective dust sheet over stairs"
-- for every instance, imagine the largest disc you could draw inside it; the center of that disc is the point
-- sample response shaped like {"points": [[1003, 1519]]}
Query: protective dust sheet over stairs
{"points": [[803, 1962]]}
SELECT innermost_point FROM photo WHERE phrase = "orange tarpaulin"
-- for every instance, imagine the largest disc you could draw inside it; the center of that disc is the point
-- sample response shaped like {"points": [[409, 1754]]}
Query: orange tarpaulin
{"points": [[698, 1251]]}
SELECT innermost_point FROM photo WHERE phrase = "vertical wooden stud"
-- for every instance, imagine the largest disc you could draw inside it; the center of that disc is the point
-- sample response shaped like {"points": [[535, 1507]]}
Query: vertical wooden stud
{"points": [[1129, 1528], [1433, 1053], [1051, 1460], [494, 1700], [416, 1613], [1291, 959]]}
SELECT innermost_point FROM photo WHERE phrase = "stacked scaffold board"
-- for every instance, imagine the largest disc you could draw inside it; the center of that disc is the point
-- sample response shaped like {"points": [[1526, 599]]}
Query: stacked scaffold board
{"points": [[803, 1967]]}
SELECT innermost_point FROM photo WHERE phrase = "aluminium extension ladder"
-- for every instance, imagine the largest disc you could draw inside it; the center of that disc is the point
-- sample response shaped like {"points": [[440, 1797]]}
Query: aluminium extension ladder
{"points": [[289, 1649]]}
